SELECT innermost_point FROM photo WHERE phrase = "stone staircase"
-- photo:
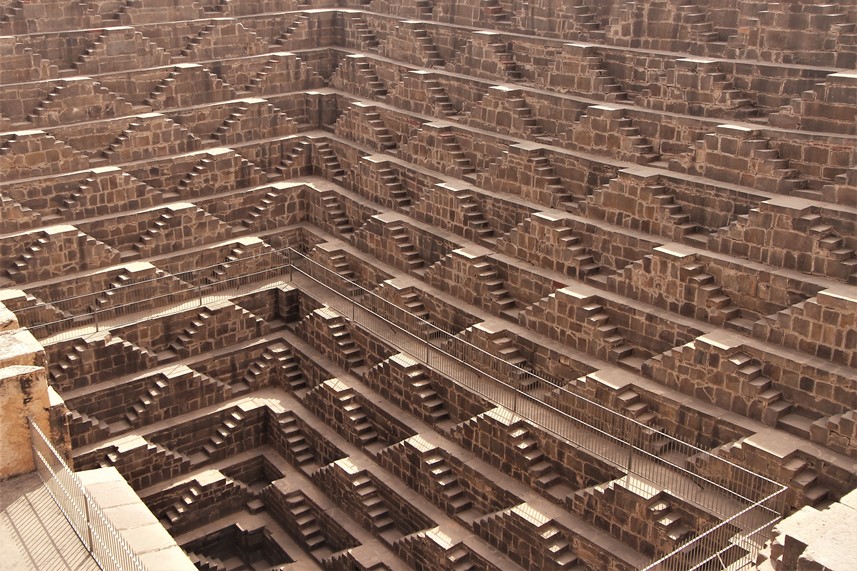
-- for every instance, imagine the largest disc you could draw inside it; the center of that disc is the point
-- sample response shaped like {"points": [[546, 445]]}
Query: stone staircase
{"points": [[719, 308], [373, 505], [300, 25], [190, 48], [546, 177], [455, 500], [366, 72], [695, 20], [306, 521], [400, 238], [275, 359], [136, 414], [362, 426], [756, 385], [182, 342], [395, 190], [428, 399], [506, 349], [473, 217], [685, 228], [154, 233], [346, 348], [329, 162], [670, 522], [380, 132], [584, 21], [615, 347], [365, 38], [505, 58], [495, 13], [803, 479], [218, 441], [425, 44], [830, 244], [500, 299], [336, 213], [17, 269], [260, 211], [539, 469], [439, 98], [297, 444], [205, 562], [631, 405]]}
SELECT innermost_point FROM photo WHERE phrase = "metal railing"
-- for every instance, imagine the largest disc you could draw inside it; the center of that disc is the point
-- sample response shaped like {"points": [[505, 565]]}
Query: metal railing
{"points": [[746, 504], [107, 547], [93, 312]]}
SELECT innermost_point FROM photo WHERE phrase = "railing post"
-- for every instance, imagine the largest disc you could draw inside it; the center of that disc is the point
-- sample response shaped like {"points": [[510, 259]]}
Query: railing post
{"points": [[88, 519], [291, 279]]}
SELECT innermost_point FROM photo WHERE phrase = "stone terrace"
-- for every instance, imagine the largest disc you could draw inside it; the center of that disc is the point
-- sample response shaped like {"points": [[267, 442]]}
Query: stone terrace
{"points": [[651, 205]]}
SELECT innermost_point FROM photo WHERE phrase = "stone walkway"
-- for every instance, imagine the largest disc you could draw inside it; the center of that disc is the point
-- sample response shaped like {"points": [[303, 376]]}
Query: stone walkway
{"points": [[34, 534]]}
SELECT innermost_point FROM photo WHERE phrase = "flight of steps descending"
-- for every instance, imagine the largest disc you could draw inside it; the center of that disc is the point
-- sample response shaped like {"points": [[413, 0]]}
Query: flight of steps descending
{"points": [[495, 13], [670, 522], [429, 400], [151, 235], [473, 217], [425, 44], [456, 154], [222, 434], [395, 190], [777, 411], [505, 348], [206, 563], [302, 23], [524, 113], [685, 229], [583, 19], [19, 266], [137, 411], [346, 348], [581, 258], [501, 50], [439, 98], [340, 265], [365, 37], [631, 405], [831, 244], [547, 178], [369, 78], [373, 504], [259, 212], [381, 133], [276, 356], [408, 253], [495, 289], [804, 481], [446, 482], [296, 443], [695, 18], [179, 346], [718, 306], [364, 430], [336, 213], [617, 349], [306, 521], [175, 512], [537, 466], [331, 169]]}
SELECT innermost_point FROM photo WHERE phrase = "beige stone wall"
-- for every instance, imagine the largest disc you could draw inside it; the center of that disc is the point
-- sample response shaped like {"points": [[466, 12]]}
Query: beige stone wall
{"points": [[23, 395]]}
